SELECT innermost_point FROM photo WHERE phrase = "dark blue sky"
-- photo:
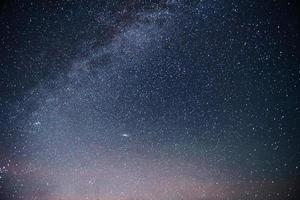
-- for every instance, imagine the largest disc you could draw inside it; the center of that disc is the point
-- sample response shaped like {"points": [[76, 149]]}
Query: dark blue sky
{"points": [[119, 99]]}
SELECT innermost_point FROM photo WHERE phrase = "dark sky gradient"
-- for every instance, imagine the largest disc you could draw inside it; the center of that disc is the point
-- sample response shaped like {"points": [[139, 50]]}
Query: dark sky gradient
{"points": [[144, 100]]}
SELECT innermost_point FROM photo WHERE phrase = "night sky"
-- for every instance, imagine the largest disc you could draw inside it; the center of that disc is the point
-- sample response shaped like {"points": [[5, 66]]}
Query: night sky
{"points": [[149, 100]]}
